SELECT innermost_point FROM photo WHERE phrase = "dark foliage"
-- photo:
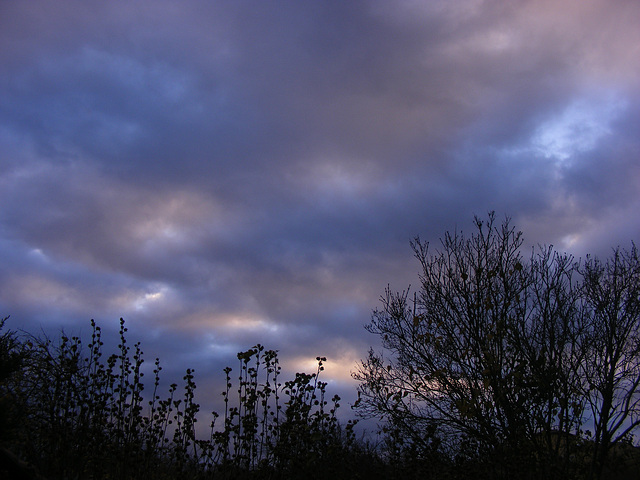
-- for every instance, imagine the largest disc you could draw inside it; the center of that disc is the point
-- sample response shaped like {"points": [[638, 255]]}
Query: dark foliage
{"points": [[498, 365], [69, 411]]}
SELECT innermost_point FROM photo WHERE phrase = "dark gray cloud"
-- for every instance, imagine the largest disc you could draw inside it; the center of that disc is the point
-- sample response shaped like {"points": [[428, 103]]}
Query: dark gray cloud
{"points": [[222, 174]]}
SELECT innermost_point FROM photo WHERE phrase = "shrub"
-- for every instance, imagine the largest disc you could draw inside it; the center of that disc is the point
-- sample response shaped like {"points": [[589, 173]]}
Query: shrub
{"points": [[83, 414]]}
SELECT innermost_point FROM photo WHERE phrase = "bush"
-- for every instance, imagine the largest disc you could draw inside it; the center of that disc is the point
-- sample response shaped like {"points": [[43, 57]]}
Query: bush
{"points": [[83, 415]]}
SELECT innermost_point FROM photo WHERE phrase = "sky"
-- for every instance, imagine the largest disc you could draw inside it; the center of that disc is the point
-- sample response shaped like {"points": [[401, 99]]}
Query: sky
{"points": [[226, 173]]}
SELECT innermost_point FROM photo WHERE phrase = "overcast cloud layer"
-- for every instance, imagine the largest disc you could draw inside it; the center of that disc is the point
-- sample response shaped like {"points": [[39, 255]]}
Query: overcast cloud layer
{"points": [[226, 173]]}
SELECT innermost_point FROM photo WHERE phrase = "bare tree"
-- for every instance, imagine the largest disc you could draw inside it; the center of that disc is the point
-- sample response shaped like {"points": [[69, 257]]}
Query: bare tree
{"points": [[484, 359], [612, 366]]}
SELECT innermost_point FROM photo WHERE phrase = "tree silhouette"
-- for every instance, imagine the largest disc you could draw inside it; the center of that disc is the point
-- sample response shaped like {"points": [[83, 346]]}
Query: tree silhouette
{"points": [[612, 343], [500, 361]]}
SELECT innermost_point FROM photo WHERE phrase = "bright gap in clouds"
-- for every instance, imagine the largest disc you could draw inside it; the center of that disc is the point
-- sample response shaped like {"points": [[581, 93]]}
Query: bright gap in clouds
{"points": [[235, 323], [577, 129], [149, 299]]}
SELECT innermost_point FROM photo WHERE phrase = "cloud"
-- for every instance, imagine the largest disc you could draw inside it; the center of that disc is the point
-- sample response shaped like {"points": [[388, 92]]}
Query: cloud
{"points": [[241, 172]]}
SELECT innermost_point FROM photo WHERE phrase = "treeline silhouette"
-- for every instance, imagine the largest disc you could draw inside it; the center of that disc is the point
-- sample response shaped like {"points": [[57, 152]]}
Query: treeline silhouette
{"points": [[69, 411], [499, 367], [511, 366]]}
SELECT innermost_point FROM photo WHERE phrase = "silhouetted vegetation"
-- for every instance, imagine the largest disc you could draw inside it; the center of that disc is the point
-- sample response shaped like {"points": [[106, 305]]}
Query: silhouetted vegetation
{"points": [[69, 411], [497, 367], [505, 366]]}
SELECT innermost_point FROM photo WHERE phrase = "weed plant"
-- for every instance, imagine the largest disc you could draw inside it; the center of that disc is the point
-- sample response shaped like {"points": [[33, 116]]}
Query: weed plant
{"points": [[72, 411]]}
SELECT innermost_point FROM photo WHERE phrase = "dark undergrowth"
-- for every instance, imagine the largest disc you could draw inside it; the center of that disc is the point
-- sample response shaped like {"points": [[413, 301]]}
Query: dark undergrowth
{"points": [[68, 410], [71, 411]]}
